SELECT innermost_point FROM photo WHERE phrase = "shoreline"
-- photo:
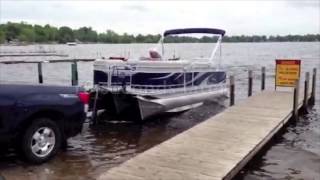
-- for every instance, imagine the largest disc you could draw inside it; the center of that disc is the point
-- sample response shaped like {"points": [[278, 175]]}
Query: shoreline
{"points": [[29, 44]]}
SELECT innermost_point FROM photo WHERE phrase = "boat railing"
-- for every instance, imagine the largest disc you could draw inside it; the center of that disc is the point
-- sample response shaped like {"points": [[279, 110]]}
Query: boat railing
{"points": [[128, 85]]}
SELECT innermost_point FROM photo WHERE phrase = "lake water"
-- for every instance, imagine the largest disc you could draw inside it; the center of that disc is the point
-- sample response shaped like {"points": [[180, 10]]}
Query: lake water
{"points": [[293, 154]]}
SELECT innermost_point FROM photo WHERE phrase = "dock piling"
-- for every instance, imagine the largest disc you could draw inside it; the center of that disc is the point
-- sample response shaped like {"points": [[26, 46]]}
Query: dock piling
{"points": [[74, 74], [306, 91], [296, 100], [40, 76], [313, 90], [231, 90], [263, 78], [249, 83]]}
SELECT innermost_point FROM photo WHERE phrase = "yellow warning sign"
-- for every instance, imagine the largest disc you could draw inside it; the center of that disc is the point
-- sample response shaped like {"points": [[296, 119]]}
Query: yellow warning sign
{"points": [[287, 72]]}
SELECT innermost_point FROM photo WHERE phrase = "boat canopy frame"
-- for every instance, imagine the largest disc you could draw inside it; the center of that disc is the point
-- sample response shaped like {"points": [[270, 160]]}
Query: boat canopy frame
{"points": [[219, 32]]}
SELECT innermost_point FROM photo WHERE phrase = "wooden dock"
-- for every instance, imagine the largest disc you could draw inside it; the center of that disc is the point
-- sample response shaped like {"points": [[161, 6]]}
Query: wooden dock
{"points": [[217, 148], [46, 61], [32, 54]]}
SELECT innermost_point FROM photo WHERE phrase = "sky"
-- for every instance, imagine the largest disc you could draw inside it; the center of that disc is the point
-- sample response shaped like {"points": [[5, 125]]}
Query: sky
{"points": [[153, 17]]}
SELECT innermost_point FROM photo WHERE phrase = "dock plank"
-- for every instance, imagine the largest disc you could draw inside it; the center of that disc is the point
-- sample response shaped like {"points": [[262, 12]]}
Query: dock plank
{"points": [[216, 148]]}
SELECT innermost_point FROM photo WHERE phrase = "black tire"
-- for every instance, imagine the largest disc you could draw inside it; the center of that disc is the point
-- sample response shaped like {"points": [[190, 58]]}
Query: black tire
{"points": [[44, 130]]}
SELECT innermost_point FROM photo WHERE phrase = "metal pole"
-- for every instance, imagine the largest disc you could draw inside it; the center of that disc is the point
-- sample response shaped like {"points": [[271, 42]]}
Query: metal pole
{"points": [[192, 78], [295, 100], [185, 80], [231, 90], [40, 76], [250, 83], [306, 90], [162, 46], [74, 74], [263, 78], [313, 90], [220, 56], [110, 73]]}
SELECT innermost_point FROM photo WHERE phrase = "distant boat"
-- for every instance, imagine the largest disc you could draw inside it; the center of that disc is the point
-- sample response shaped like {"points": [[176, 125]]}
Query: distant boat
{"points": [[71, 43]]}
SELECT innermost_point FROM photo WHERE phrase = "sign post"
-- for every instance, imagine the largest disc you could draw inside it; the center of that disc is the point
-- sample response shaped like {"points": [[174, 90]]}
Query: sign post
{"points": [[287, 72]]}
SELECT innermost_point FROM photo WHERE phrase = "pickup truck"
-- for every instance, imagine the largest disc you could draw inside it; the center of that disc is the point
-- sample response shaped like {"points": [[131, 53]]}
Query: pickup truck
{"points": [[38, 119]]}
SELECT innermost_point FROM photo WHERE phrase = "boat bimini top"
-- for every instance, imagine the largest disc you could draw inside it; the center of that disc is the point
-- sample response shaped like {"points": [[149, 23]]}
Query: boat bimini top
{"points": [[194, 30]]}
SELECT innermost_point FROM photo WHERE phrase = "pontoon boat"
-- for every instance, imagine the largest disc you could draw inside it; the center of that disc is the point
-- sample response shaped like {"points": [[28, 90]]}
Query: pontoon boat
{"points": [[140, 88]]}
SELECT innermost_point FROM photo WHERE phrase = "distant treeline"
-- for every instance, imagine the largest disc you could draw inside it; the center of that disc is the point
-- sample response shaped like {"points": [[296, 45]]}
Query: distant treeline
{"points": [[23, 32]]}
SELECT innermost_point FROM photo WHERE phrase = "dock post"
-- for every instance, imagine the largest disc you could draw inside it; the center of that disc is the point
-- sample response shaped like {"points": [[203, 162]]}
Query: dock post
{"points": [[313, 90], [231, 90], [249, 83], [306, 90], [263, 78], [74, 74], [296, 100], [40, 76]]}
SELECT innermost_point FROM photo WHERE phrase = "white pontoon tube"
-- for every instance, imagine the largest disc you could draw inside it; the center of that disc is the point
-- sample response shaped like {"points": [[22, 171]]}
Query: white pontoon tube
{"points": [[151, 107]]}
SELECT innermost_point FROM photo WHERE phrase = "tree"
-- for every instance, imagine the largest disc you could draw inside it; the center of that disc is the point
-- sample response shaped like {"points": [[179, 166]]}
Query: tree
{"points": [[86, 34], [139, 38], [65, 34], [51, 33], [26, 35], [45, 34], [109, 37], [12, 31], [39, 34], [125, 38], [102, 37], [2, 33], [2, 36]]}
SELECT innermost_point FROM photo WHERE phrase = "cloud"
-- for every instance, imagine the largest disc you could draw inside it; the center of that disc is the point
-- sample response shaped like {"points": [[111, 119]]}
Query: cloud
{"points": [[139, 8], [237, 17], [304, 4]]}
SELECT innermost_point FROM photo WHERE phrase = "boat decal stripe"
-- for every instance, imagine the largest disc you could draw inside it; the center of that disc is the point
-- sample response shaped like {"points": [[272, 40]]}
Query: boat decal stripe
{"points": [[175, 79]]}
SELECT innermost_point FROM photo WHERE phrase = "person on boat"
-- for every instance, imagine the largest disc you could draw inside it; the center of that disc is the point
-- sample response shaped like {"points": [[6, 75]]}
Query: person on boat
{"points": [[154, 55]]}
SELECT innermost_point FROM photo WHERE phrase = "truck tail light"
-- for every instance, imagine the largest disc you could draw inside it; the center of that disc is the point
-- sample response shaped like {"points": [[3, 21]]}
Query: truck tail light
{"points": [[84, 97]]}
